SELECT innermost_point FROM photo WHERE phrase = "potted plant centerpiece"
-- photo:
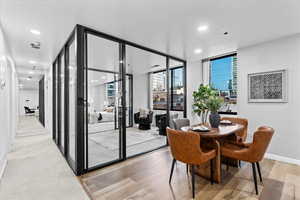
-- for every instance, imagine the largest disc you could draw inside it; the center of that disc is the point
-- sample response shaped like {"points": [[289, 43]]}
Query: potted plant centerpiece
{"points": [[214, 103], [201, 97]]}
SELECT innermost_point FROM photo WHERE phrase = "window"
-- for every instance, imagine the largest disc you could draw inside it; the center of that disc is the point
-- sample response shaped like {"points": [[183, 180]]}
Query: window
{"points": [[159, 89], [177, 89], [223, 77]]}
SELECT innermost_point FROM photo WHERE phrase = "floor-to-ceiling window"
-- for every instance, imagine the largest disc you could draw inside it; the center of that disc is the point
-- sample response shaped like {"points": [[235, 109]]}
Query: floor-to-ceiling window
{"points": [[71, 101], [62, 101]]}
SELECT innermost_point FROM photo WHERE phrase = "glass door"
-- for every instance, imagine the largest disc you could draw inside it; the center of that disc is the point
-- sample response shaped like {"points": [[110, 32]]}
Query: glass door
{"points": [[103, 102], [147, 102]]}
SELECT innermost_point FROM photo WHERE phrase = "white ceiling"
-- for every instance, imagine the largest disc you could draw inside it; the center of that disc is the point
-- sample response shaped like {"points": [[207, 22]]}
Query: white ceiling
{"points": [[166, 25]]}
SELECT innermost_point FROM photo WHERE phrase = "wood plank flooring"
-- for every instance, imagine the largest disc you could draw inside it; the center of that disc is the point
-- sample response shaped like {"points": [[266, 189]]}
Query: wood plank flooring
{"points": [[146, 177]]}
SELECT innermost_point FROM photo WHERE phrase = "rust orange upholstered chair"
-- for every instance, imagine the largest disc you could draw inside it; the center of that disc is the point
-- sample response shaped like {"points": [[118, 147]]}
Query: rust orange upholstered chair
{"points": [[185, 147], [251, 152], [242, 134]]}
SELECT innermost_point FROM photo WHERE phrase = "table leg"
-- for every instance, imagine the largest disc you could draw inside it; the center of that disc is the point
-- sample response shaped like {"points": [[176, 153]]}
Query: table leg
{"points": [[203, 170]]}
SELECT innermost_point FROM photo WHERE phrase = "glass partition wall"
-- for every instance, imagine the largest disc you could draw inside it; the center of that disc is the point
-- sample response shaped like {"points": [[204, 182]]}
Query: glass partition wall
{"points": [[113, 99]]}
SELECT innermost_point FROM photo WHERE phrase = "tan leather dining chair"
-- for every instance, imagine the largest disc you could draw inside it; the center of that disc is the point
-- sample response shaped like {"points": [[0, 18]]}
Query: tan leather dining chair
{"points": [[242, 134], [251, 152], [185, 147]]}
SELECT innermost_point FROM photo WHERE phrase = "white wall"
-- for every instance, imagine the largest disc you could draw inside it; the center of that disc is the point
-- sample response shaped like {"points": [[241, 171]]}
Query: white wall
{"points": [[194, 79], [8, 103], [96, 97], [140, 91], [28, 98], [283, 117]]}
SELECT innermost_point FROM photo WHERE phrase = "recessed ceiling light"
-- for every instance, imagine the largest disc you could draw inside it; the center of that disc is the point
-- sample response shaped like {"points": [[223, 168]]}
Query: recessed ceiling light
{"points": [[202, 28], [32, 62], [31, 72], [198, 51], [35, 32]]}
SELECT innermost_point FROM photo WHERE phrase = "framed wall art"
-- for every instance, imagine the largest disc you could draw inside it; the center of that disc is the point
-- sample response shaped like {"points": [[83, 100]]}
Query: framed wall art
{"points": [[268, 87]]}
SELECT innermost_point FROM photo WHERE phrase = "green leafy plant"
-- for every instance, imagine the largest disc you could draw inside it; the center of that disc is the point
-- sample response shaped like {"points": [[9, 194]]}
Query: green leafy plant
{"points": [[201, 97], [214, 103]]}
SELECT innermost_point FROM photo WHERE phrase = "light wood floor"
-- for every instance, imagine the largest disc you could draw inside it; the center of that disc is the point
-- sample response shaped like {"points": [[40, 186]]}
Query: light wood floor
{"points": [[146, 177]]}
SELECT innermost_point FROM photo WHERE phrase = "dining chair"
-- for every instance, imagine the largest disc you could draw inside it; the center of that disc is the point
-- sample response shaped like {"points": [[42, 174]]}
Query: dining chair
{"points": [[179, 123], [185, 147], [242, 134], [251, 152]]}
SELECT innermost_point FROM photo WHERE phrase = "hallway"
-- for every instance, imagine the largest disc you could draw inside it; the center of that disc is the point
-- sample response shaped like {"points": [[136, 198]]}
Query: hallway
{"points": [[36, 170]]}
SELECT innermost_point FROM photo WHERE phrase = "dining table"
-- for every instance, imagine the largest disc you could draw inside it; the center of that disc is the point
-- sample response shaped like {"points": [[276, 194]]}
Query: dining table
{"points": [[215, 138]]}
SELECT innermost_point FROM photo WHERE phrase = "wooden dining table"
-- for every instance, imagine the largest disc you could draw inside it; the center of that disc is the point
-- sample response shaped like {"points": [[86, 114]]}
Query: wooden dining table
{"points": [[214, 138]]}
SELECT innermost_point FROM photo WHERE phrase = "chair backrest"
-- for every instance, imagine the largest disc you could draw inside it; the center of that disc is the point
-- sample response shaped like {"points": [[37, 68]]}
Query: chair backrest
{"points": [[261, 140], [179, 123], [185, 146], [172, 118], [242, 133]]}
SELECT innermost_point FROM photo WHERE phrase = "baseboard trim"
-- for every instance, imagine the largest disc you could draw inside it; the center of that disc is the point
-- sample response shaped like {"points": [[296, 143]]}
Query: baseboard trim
{"points": [[3, 168], [282, 158]]}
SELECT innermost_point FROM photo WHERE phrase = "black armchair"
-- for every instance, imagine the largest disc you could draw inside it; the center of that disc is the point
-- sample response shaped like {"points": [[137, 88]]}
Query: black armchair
{"points": [[28, 110], [144, 123]]}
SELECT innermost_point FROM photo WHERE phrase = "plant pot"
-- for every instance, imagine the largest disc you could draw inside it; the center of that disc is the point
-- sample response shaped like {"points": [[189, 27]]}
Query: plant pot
{"points": [[214, 120]]}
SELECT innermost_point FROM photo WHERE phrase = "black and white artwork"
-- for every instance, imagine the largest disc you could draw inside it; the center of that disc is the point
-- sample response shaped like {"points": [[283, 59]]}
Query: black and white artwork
{"points": [[267, 86]]}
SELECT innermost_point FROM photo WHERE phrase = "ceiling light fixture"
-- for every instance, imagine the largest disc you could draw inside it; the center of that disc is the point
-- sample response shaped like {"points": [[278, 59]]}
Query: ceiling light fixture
{"points": [[198, 51], [31, 72], [35, 32], [32, 62], [202, 28]]}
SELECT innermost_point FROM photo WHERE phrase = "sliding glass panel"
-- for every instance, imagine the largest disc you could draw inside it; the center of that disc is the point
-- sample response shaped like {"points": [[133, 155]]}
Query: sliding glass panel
{"points": [[62, 102], [72, 107], [149, 101], [176, 84], [56, 102], [103, 101]]}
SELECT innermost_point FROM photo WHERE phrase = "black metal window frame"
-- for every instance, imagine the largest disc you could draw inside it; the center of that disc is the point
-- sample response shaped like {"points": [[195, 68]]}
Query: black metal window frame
{"points": [[79, 36], [217, 58]]}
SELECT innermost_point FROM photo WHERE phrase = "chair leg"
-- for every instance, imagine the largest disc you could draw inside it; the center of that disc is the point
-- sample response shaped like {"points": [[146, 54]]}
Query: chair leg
{"points": [[172, 169], [211, 172], [254, 177], [259, 173], [227, 165], [193, 181], [187, 168]]}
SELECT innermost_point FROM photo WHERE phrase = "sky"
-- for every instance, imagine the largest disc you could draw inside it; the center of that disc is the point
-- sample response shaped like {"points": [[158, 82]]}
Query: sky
{"points": [[221, 73]]}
